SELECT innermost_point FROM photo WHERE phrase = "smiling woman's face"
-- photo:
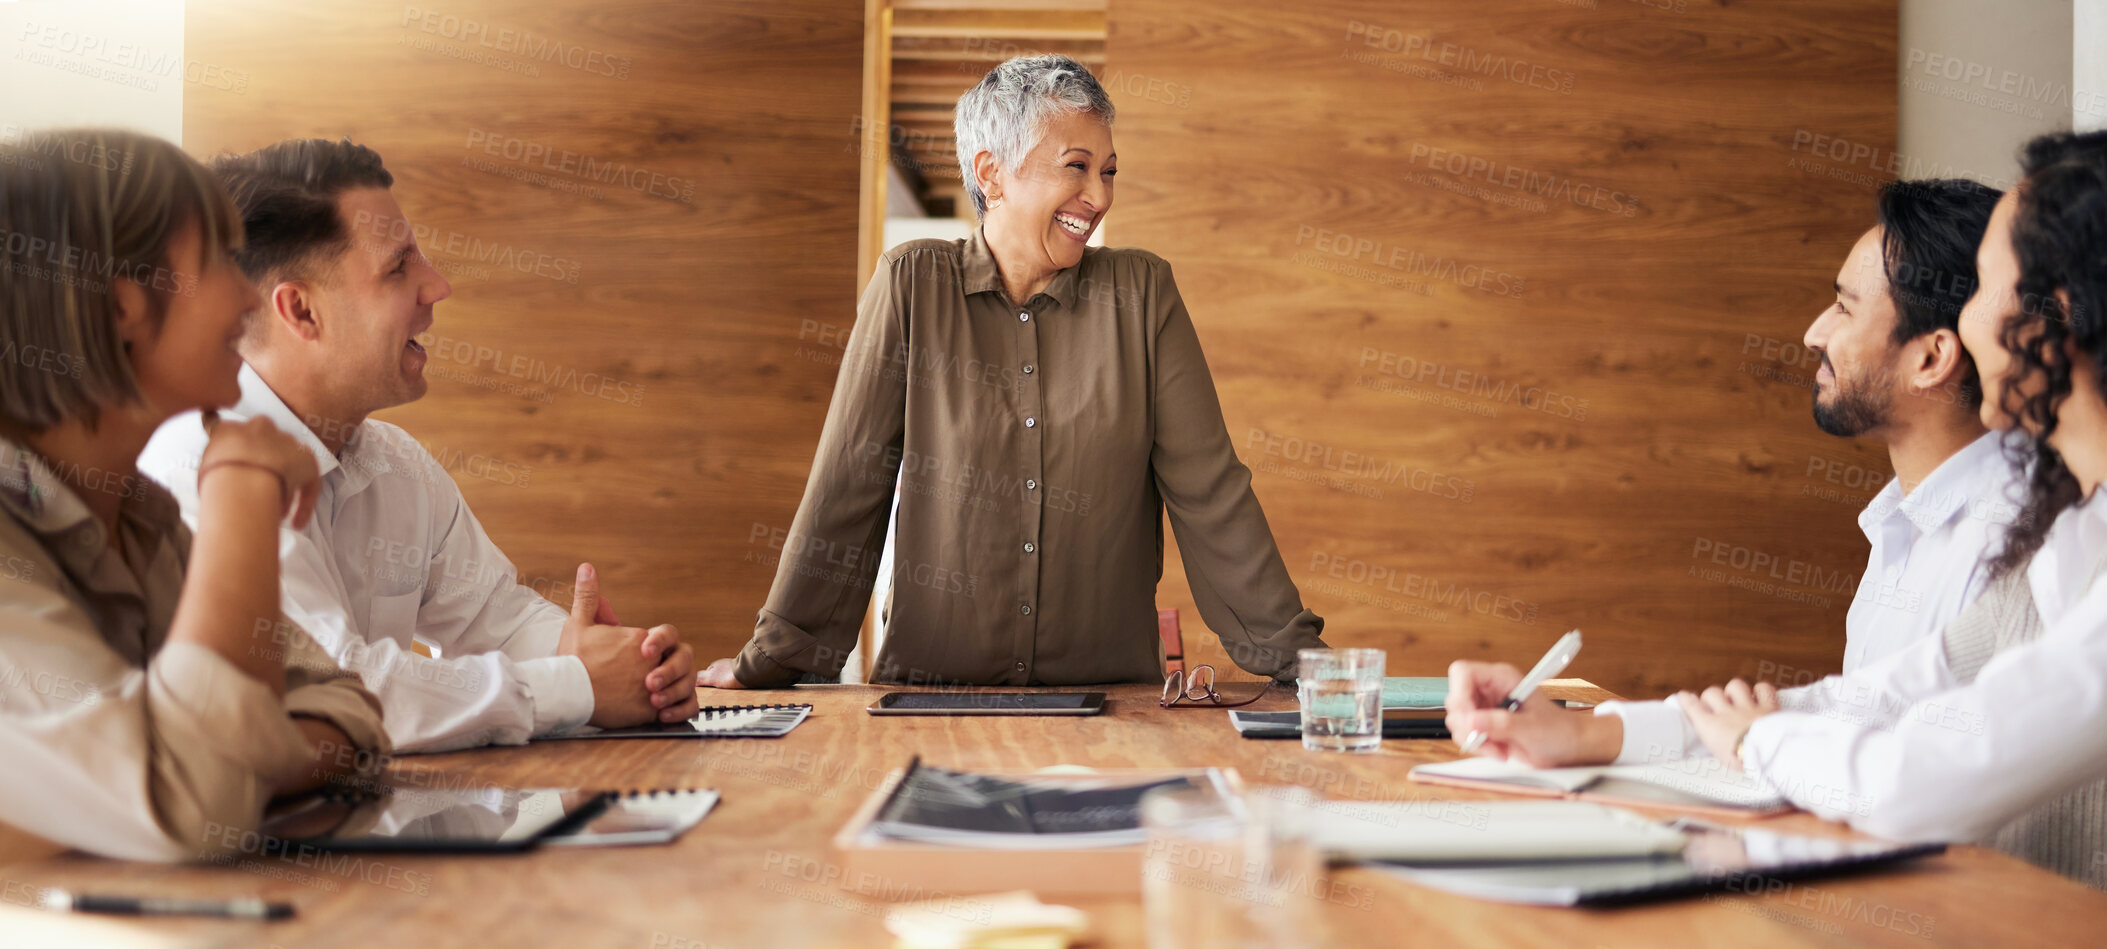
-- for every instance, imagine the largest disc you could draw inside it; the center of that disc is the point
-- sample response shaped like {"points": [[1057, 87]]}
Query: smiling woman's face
{"points": [[188, 361], [1995, 305], [1048, 206]]}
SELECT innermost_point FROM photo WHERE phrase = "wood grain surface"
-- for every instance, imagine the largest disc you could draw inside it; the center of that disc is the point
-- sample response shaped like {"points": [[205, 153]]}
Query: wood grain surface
{"points": [[650, 399], [759, 872], [1503, 300]]}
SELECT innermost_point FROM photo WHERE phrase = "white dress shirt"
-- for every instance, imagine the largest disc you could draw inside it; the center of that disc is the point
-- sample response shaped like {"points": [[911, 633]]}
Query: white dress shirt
{"points": [[1928, 563], [392, 555], [1930, 759]]}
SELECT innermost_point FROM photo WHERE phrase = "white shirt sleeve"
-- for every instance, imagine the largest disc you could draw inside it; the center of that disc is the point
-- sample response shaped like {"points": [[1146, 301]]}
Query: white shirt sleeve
{"points": [[460, 699], [1654, 732], [497, 680], [1918, 762], [1658, 731]]}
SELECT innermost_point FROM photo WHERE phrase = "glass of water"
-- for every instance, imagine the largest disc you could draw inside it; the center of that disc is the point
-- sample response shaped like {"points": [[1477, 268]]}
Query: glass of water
{"points": [[1230, 872], [1342, 699]]}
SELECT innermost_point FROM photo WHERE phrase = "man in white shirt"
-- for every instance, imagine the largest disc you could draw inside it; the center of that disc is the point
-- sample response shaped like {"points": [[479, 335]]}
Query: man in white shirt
{"points": [[393, 554], [1997, 731], [1893, 368]]}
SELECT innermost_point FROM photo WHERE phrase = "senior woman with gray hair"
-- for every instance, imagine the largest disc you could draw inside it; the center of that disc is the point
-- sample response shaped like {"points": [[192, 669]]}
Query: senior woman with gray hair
{"points": [[1038, 403]]}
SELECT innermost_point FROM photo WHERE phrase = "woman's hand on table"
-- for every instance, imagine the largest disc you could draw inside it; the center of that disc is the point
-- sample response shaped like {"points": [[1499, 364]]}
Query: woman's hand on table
{"points": [[1722, 715], [718, 676]]}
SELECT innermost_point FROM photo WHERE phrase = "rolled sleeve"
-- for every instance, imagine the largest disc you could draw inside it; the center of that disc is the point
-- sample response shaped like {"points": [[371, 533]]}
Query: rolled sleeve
{"points": [[757, 666], [153, 764]]}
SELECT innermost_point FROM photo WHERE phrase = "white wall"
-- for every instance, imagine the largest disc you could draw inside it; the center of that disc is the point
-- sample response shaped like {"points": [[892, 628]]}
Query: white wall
{"points": [[1980, 77], [100, 62], [2089, 62]]}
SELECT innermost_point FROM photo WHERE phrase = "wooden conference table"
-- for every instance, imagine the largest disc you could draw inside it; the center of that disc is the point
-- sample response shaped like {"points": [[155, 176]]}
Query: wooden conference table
{"points": [[759, 872]]}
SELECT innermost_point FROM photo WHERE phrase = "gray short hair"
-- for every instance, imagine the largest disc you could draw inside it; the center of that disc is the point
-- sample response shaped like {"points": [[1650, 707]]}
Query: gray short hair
{"points": [[1006, 113]]}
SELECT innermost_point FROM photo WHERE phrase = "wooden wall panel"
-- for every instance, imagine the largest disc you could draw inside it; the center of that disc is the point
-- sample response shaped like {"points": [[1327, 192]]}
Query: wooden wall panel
{"points": [[651, 398], [1357, 291], [1503, 300]]}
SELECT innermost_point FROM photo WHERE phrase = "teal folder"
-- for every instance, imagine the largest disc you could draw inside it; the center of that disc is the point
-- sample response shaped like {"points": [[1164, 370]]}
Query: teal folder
{"points": [[1415, 691]]}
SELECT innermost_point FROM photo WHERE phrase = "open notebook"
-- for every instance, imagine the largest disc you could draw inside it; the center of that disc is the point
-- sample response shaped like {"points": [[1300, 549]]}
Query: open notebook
{"points": [[640, 817], [716, 721], [1485, 832], [1699, 785]]}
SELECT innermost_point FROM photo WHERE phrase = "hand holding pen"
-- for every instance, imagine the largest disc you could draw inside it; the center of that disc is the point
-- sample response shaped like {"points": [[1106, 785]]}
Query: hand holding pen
{"points": [[1494, 707]]}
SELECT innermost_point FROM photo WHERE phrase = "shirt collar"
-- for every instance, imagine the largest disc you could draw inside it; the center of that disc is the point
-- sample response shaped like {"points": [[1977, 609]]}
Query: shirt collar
{"points": [[2070, 556], [259, 400], [1943, 494], [983, 275], [34, 495]]}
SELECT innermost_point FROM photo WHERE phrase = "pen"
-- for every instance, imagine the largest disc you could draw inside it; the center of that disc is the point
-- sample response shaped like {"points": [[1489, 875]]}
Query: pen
{"points": [[1553, 663], [242, 908]]}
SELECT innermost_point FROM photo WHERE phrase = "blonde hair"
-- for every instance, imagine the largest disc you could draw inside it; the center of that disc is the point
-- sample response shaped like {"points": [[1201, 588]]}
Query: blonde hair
{"points": [[79, 210]]}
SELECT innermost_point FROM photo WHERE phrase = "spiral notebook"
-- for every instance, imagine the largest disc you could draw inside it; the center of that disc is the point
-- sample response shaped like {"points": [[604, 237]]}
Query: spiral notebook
{"points": [[639, 817], [1699, 785], [716, 721]]}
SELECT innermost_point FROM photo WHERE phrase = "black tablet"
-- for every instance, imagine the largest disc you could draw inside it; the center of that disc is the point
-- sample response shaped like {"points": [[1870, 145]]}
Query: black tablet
{"points": [[1743, 859], [989, 703], [472, 820]]}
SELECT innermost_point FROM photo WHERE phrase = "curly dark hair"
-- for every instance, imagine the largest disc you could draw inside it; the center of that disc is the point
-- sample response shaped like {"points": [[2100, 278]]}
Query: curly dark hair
{"points": [[2059, 235]]}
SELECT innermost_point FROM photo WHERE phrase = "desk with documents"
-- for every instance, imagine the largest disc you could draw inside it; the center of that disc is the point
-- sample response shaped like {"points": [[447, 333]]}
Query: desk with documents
{"points": [[758, 873]]}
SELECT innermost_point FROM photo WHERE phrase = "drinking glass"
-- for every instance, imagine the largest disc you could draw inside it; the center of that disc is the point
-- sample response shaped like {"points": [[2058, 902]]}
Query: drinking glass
{"points": [[1230, 872], [1342, 699]]}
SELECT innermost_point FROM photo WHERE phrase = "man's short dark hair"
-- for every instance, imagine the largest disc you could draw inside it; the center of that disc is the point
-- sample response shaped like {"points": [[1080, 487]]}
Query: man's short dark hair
{"points": [[287, 194], [1930, 229]]}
